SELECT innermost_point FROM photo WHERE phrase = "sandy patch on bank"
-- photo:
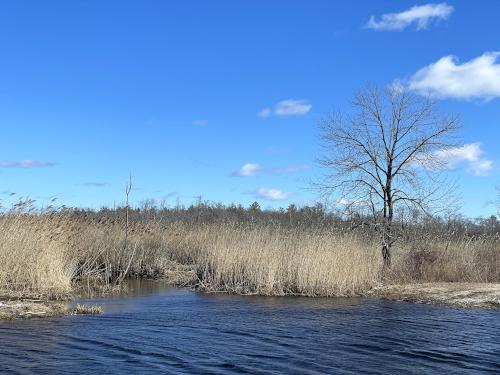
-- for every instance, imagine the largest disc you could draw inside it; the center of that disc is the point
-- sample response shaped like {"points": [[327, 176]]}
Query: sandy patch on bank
{"points": [[450, 294], [30, 309]]}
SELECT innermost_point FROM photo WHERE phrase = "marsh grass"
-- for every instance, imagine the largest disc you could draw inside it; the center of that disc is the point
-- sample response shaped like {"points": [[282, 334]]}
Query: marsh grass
{"points": [[87, 310], [271, 261], [52, 253], [33, 256], [464, 259]]}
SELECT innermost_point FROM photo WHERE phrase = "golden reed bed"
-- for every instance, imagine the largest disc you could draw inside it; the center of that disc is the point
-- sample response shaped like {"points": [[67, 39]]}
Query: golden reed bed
{"points": [[48, 255]]}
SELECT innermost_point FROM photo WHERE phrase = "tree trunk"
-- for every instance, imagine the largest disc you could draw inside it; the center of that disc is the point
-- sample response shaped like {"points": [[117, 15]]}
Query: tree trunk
{"points": [[387, 230], [386, 255]]}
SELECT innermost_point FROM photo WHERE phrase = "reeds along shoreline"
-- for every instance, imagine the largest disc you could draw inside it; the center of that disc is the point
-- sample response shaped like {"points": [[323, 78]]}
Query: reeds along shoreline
{"points": [[50, 254]]}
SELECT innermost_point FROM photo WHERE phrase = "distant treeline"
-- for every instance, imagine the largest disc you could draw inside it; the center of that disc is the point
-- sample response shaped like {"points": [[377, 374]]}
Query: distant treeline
{"points": [[317, 216]]}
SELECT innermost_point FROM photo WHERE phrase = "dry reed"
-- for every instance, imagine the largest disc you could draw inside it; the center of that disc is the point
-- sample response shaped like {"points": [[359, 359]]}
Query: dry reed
{"points": [[50, 254], [87, 310], [33, 256]]}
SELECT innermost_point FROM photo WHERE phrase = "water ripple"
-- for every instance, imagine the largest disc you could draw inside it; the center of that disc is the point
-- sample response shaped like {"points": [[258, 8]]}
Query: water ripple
{"points": [[180, 332]]}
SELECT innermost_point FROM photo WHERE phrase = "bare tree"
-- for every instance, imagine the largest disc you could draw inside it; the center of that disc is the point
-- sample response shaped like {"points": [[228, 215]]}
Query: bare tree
{"points": [[128, 188], [385, 156], [123, 273]]}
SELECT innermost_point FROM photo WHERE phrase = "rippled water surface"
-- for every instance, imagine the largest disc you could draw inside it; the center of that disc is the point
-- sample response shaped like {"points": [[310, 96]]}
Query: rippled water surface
{"points": [[160, 330]]}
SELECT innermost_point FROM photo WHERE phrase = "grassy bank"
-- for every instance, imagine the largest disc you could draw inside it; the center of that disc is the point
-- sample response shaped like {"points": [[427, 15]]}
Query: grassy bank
{"points": [[484, 295], [49, 255], [17, 309]]}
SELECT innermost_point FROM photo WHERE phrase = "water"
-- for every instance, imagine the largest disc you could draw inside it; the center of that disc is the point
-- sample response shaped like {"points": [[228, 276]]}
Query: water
{"points": [[158, 330]]}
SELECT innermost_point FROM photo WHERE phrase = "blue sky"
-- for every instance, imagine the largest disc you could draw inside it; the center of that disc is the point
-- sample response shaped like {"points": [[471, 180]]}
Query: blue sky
{"points": [[221, 98]]}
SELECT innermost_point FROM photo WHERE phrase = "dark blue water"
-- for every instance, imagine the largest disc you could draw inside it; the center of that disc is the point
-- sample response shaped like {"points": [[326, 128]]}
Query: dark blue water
{"points": [[174, 331]]}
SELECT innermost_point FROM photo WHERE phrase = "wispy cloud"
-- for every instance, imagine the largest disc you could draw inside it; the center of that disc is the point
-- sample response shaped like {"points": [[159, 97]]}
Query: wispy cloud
{"points": [[253, 169], [200, 122], [472, 154], [247, 170], [25, 164], [289, 107], [478, 78], [273, 194], [420, 15]]}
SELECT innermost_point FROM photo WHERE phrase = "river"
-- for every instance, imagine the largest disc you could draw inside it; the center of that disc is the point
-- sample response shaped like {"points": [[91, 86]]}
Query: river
{"points": [[159, 330]]}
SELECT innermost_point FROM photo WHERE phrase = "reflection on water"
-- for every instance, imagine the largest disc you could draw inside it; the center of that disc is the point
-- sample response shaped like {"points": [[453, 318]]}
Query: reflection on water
{"points": [[155, 329]]}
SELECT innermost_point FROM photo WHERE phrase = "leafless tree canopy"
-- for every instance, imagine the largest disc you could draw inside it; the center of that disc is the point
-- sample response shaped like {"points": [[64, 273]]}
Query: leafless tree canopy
{"points": [[386, 154]]}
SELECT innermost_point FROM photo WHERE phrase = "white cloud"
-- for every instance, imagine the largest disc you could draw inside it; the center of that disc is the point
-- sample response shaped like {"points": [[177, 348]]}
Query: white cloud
{"points": [[478, 78], [200, 122], [342, 202], [352, 203], [26, 164], [253, 169], [292, 107], [472, 154], [247, 170], [289, 107], [273, 194], [421, 15], [480, 167], [266, 112]]}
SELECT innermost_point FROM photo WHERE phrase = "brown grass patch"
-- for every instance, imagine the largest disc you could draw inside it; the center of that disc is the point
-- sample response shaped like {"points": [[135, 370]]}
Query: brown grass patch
{"points": [[48, 255]]}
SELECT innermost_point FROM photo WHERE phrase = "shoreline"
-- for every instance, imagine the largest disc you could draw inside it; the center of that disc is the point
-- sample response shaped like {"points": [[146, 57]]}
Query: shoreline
{"points": [[463, 295], [459, 294], [28, 309]]}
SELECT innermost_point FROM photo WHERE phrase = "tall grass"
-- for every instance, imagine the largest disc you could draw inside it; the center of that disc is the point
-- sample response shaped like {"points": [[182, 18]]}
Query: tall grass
{"points": [[51, 253], [461, 259], [33, 256], [270, 261]]}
